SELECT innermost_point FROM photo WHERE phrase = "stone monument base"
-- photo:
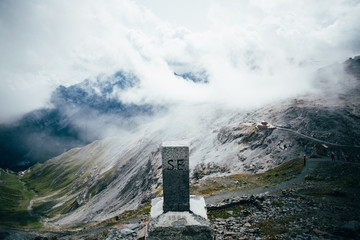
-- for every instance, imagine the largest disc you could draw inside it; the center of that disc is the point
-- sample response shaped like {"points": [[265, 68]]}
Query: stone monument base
{"points": [[179, 225]]}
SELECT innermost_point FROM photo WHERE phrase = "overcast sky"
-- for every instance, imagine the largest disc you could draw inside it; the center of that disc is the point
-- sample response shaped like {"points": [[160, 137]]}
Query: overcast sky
{"points": [[252, 51]]}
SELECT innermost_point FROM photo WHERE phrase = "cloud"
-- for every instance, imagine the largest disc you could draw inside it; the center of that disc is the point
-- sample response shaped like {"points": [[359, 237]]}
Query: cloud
{"points": [[253, 51]]}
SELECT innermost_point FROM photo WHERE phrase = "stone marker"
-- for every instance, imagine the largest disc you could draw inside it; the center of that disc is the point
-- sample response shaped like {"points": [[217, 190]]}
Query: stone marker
{"points": [[177, 216], [175, 170]]}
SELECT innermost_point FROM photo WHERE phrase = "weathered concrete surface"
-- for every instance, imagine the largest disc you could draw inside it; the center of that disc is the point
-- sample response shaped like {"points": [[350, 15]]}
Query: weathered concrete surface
{"points": [[179, 225], [175, 170], [177, 216], [197, 206]]}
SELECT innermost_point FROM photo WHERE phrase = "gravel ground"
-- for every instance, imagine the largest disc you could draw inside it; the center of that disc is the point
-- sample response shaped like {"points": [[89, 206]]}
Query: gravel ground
{"points": [[323, 202]]}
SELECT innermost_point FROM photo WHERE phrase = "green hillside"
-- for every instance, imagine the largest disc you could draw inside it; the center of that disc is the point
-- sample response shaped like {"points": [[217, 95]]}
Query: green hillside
{"points": [[14, 202], [59, 182]]}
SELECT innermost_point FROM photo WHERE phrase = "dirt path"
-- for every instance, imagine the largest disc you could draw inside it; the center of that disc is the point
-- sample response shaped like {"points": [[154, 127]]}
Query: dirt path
{"points": [[311, 165], [315, 139]]}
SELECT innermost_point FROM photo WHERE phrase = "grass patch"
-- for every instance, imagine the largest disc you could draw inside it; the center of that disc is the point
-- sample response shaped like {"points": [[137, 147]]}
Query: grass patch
{"points": [[236, 182], [277, 203], [316, 192], [55, 174], [308, 178], [49, 179], [103, 182], [48, 209], [131, 214], [159, 191], [126, 216], [14, 201], [43, 207], [224, 213], [272, 228]]}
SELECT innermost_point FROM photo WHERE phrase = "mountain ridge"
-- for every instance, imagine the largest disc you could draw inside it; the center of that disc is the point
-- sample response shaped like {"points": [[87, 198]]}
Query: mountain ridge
{"points": [[108, 177], [73, 121]]}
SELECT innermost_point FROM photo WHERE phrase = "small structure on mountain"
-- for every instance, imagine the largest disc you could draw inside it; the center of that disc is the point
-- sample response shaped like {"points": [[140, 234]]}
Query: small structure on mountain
{"points": [[177, 215], [264, 125]]}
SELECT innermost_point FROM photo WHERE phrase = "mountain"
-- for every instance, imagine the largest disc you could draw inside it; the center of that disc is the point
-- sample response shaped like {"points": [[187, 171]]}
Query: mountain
{"points": [[80, 114], [107, 177]]}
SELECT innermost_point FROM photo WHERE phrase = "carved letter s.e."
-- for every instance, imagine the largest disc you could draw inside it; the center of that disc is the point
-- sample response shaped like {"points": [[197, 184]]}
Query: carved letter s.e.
{"points": [[170, 167], [180, 164]]}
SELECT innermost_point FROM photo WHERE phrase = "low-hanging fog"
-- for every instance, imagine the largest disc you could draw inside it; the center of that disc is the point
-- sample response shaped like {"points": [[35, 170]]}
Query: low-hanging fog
{"points": [[187, 58], [252, 52]]}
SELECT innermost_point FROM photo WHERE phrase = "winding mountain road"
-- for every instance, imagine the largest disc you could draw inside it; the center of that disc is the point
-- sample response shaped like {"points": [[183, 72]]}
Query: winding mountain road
{"points": [[311, 165], [315, 139]]}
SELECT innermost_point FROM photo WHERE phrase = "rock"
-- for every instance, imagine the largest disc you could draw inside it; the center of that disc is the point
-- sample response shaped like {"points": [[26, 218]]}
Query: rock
{"points": [[226, 234], [126, 231], [141, 233], [351, 226], [320, 232]]}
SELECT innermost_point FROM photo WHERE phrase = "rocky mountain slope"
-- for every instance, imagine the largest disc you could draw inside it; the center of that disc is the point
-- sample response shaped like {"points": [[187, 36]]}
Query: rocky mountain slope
{"points": [[107, 177]]}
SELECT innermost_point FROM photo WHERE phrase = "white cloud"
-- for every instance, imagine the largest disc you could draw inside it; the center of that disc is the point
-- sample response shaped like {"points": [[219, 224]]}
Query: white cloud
{"points": [[253, 51]]}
